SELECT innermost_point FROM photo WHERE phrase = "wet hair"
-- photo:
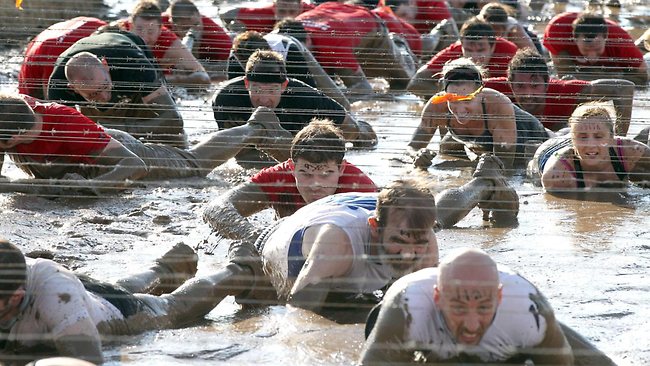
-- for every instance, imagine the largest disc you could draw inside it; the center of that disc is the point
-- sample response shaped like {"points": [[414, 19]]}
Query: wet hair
{"points": [[589, 25], [528, 61], [292, 27], [13, 269], [475, 29], [16, 116], [319, 142], [461, 70], [594, 109], [411, 197], [495, 13], [182, 9], [245, 44], [266, 67], [147, 9]]}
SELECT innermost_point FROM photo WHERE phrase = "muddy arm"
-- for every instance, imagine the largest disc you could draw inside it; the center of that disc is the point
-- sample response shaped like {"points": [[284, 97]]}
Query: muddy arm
{"points": [[554, 348], [640, 171], [227, 215], [503, 126], [330, 258], [386, 344], [417, 148], [83, 346], [189, 71]]}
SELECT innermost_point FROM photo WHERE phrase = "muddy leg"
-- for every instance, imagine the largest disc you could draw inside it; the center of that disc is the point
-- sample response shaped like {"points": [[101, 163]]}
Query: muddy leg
{"points": [[198, 296], [455, 203], [167, 274]]}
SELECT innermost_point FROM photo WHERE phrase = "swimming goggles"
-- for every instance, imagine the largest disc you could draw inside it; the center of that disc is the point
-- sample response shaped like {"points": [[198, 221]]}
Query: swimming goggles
{"points": [[453, 97]]}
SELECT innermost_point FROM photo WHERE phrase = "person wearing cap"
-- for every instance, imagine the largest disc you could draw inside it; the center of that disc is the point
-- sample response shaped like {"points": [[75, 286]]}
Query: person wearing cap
{"points": [[552, 100], [480, 119], [590, 47], [469, 310], [479, 42], [294, 103]]}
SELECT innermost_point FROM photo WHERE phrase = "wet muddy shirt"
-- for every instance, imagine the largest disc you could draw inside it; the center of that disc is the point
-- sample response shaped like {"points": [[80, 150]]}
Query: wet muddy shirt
{"points": [[279, 184], [299, 104], [517, 323], [57, 305], [282, 250], [68, 140], [133, 73]]}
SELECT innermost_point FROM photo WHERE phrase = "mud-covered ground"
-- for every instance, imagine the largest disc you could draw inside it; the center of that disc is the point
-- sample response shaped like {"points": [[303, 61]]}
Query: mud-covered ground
{"points": [[591, 259]]}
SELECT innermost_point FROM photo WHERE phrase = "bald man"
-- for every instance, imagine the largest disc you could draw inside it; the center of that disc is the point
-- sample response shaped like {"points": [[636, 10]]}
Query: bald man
{"points": [[115, 82], [468, 311]]}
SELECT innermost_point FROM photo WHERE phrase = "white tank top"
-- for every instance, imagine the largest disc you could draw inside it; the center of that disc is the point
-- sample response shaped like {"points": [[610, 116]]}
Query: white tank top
{"points": [[282, 255], [516, 324], [57, 305]]}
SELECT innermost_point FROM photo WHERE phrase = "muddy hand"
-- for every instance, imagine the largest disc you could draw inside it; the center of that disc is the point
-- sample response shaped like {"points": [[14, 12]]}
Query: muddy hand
{"points": [[423, 158]]}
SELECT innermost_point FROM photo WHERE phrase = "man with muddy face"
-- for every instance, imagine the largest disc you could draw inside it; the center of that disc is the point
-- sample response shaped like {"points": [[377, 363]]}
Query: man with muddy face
{"points": [[316, 169], [465, 311]]}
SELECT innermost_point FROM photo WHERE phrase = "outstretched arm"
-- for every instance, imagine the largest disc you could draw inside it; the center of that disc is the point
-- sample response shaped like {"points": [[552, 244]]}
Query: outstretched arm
{"points": [[503, 126], [227, 214], [188, 71], [329, 259]]}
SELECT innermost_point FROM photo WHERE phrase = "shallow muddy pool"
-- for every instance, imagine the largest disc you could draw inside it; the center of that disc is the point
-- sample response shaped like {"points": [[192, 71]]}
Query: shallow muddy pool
{"points": [[592, 260]]}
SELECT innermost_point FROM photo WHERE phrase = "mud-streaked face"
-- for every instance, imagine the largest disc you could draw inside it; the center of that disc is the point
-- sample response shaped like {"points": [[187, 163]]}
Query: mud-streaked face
{"points": [[316, 180], [530, 91], [468, 309], [468, 110], [479, 50], [592, 138]]}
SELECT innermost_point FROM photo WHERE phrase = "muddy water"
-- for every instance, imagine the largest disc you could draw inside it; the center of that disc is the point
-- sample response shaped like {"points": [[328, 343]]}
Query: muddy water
{"points": [[591, 259]]}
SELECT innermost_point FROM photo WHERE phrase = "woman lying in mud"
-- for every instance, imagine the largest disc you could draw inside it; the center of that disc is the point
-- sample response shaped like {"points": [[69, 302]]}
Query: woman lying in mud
{"points": [[591, 157], [481, 119]]}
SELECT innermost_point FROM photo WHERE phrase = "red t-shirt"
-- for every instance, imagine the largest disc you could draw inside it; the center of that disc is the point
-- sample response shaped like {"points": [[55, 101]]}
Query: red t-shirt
{"points": [[67, 136], [163, 42], [561, 98], [336, 29], [401, 27], [620, 50], [214, 44], [279, 185], [262, 19], [430, 13], [504, 50], [45, 48]]}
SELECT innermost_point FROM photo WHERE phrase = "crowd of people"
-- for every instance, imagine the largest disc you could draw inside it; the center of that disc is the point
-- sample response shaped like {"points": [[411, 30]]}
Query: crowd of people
{"points": [[94, 111]]}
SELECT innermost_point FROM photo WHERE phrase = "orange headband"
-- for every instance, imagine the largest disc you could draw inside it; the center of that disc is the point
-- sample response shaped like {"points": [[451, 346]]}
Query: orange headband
{"points": [[453, 97]]}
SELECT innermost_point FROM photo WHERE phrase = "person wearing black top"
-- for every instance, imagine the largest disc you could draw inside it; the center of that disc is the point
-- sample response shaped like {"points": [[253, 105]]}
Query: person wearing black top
{"points": [[115, 83], [295, 103]]}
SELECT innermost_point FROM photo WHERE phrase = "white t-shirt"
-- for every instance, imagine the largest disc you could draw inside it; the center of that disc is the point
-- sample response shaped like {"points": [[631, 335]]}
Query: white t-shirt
{"points": [[282, 252], [58, 305], [516, 325]]}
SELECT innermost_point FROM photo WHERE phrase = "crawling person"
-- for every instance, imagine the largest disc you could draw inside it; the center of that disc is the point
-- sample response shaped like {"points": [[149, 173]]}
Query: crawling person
{"points": [[316, 169], [471, 311], [115, 83], [478, 118], [67, 151], [592, 157]]}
